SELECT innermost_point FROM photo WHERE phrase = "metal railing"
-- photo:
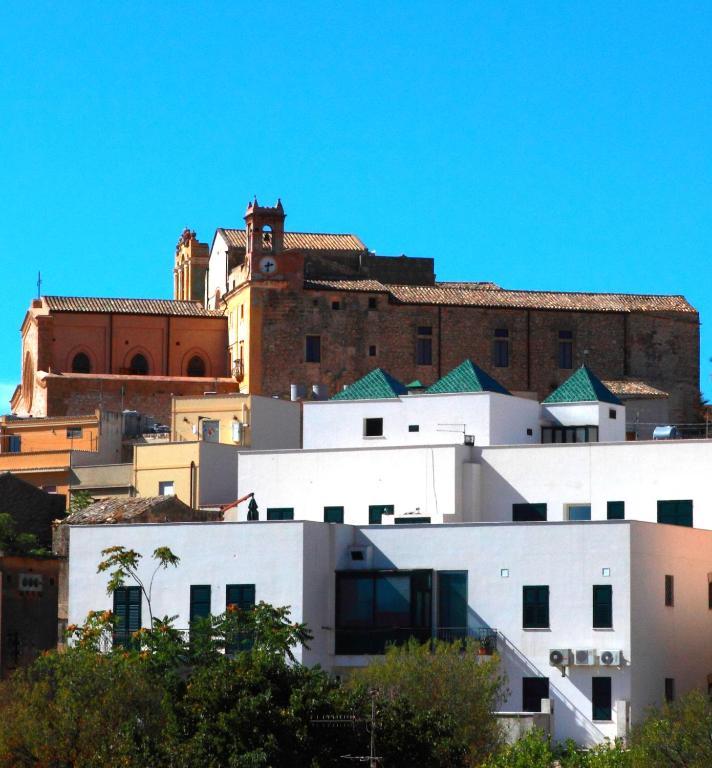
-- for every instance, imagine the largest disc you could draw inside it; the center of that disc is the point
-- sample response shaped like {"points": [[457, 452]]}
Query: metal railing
{"points": [[373, 641]]}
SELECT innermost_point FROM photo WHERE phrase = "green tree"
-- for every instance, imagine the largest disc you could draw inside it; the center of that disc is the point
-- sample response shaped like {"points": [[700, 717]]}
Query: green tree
{"points": [[80, 500], [14, 543], [448, 677], [678, 735]]}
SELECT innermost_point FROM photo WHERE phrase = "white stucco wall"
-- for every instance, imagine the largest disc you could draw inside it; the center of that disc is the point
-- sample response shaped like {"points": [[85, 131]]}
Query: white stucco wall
{"points": [[442, 419], [216, 268], [426, 477], [638, 473], [583, 414]]}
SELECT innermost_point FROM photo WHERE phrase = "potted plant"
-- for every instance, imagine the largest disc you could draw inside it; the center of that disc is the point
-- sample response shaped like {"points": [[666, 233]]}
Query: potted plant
{"points": [[485, 648]]}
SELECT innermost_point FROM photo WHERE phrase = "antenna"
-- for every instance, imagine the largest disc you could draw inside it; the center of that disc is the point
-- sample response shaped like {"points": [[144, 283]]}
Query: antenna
{"points": [[39, 284]]}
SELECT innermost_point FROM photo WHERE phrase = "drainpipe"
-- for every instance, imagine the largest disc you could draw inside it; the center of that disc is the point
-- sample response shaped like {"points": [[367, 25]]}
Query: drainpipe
{"points": [[192, 484]]}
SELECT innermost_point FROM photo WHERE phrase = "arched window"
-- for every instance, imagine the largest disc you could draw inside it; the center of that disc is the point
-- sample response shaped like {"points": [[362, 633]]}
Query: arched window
{"points": [[196, 366], [81, 363], [139, 365]]}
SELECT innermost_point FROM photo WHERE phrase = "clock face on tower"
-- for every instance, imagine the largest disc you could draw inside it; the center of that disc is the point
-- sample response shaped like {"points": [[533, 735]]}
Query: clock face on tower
{"points": [[267, 265]]}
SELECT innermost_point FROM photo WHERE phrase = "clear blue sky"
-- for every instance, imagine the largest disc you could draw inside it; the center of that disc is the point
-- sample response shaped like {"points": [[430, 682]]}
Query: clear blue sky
{"points": [[560, 145]]}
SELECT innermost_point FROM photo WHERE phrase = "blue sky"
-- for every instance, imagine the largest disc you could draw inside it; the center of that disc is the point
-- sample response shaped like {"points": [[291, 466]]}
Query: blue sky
{"points": [[559, 145]]}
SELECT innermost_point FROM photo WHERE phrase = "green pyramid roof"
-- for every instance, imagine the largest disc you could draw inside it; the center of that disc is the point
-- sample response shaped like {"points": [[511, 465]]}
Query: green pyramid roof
{"points": [[377, 385], [583, 386], [415, 384], [467, 377]]}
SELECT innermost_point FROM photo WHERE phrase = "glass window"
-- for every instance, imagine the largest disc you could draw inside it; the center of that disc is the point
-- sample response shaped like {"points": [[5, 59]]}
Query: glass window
{"points": [[601, 698], [528, 512], [452, 600], [424, 351], [535, 603], [166, 488], [669, 591], [615, 510], [501, 348], [127, 611], [280, 513], [14, 443], [74, 433], [333, 514], [566, 349], [392, 608], [534, 689], [413, 427], [678, 512], [372, 302], [585, 434], [373, 427], [313, 349], [376, 512], [579, 511], [602, 606]]}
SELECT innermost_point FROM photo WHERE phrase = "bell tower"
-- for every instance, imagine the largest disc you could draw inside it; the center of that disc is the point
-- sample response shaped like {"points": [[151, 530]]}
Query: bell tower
{"points": [[191, 265], [264, 230]]}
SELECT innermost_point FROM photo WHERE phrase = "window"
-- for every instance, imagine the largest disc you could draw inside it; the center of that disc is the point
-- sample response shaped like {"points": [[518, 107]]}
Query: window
{"points": [[500, 352], [452, 604], [413, 427], [669, 591], [199, 603], [412, 520], [372, 302], [600, 698], [336, 305], [534, 689], [138, 365], [240, 596], [372, 350], [376, 512], [522, 513], [81, 363], [313, 349], [579, 511], [127, 611], [612, 413], [424, 345], [14, 443], [333, 514], [535, 604], [210, 429], [196, 366], [587, 434], [74, 433], [373, 427], [374, 608], [566, 349], [280, 513], [669, 689], [675, 512], [602, 606], [166, 488], [615, 510]]}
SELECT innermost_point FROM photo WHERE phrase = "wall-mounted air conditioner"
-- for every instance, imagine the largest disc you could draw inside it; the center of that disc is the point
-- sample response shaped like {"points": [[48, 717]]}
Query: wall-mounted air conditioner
{"points": [[560, 657], [584, 657], [608, 658]]}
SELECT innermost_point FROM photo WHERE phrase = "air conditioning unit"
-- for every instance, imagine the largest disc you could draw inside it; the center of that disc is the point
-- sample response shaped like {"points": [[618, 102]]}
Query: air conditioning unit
{"points": [[584, 657], [560, 657], [609, 658]]}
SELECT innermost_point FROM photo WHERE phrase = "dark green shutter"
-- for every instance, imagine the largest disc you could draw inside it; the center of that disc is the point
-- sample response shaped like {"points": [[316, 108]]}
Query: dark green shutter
{"points": [[280, 513], [528, 512], [535, 607], [675, 512], [333, 514], [452, 600], [127, 610], [616, 510], [376, 512], [240, 595], [199, 601], [601, 698], [602, 606]]}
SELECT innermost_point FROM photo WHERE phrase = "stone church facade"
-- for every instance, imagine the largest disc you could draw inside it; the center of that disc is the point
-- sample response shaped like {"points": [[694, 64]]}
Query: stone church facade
{"points": [[262, 309]]}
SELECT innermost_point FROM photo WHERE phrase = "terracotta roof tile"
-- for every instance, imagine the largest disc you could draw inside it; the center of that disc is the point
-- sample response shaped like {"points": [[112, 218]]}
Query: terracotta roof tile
{"points": [[123, 510], [307, 241], [628, 388], [128, 306], [475, 295]]}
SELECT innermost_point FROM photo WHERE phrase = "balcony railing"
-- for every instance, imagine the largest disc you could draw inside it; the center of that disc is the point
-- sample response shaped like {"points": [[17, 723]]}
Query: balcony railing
{"points": [[370, 641]]}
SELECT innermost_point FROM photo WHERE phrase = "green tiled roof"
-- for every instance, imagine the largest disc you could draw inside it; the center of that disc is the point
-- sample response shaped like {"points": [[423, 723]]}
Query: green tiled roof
{"points": [[415, 384], [583, 386], [377, 385], [467, 377]]}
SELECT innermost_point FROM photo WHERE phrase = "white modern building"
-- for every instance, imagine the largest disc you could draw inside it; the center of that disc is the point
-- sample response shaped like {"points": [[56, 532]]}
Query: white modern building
{"points": [[466, 451], [602, 618]]}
